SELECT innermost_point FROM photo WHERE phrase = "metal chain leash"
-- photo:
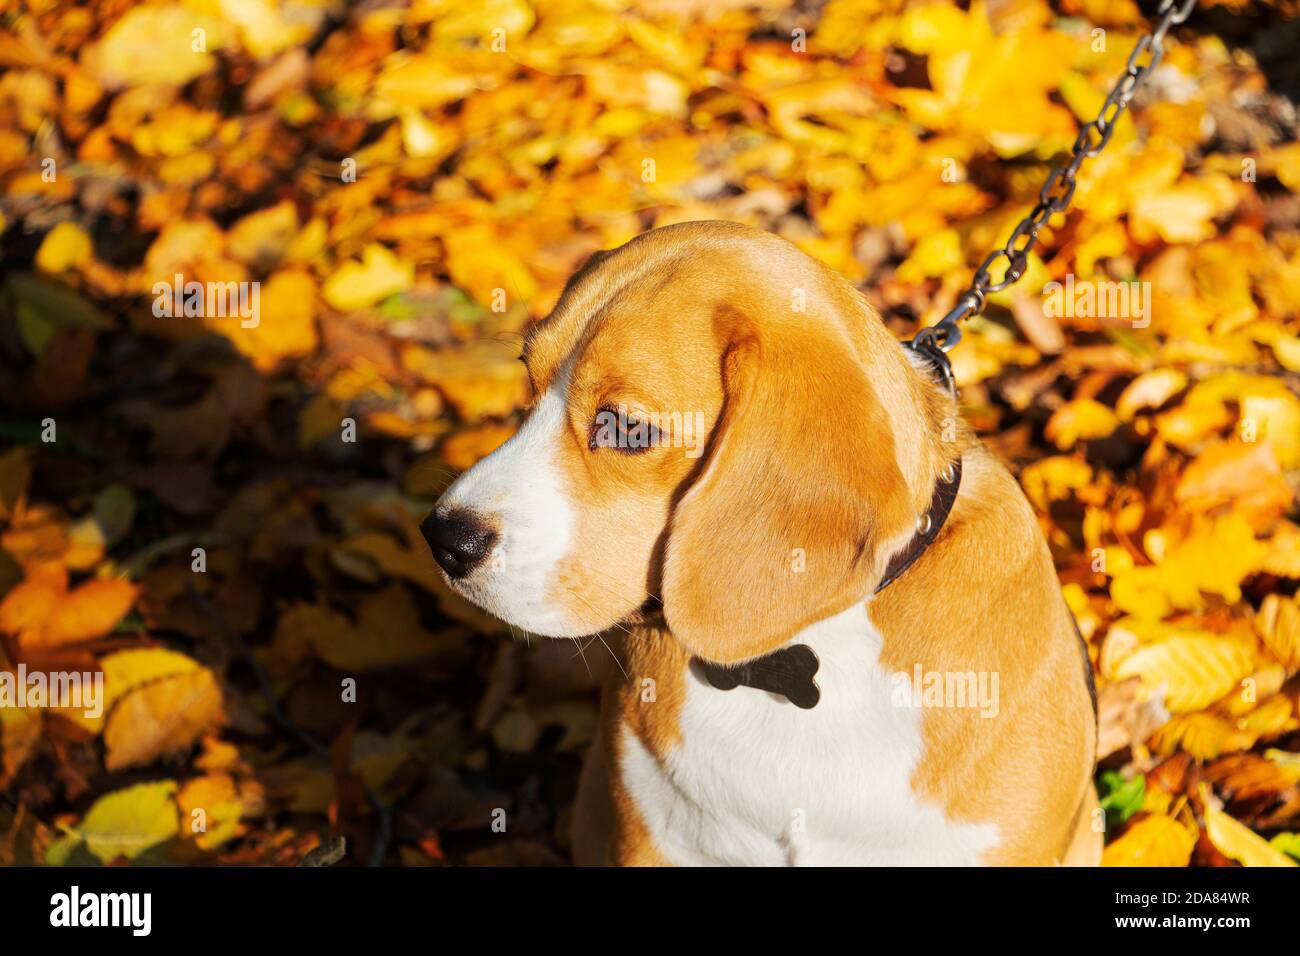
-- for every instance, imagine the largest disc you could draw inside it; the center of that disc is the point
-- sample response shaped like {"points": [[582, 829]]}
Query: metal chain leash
{"points": [[1054, 197]]}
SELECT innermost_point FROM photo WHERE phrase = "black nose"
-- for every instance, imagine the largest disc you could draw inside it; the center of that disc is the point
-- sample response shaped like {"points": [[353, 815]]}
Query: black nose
{"points": [[459, 540]]}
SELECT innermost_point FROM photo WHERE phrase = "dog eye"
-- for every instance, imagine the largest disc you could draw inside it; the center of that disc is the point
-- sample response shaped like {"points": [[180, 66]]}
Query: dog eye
{"points": [[615, 428]]}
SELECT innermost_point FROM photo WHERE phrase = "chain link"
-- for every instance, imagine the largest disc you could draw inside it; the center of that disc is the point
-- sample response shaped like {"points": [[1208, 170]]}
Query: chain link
{"points": [[1058, 190]]}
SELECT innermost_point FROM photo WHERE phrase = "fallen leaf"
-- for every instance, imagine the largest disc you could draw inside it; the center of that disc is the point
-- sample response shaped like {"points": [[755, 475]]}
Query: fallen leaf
{"points": [[210, 809], [64, 247], [1239, 842], [156, 45], [126, 823], [1193, 671], [1154, 840], [161, 717], [1080, 420], [1278, 624], [261, 238], [1149, 390], [358, 285]]}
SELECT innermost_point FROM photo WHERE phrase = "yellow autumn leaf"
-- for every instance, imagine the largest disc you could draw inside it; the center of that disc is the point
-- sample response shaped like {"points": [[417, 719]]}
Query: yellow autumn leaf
{"points": [[1117, 646], [1181, 213], [161, 717], [1214, 559], [566, 30], [180, 247], [157, 44], [936, 28], [1204, 736], [1270, 412], [1054, 478], [457, 23], [1080, 420], [1289, 762], [1283, 555], [358, 285], [1193, 671], [1286, 348], [261, 238], [211, 807], [285, 324], [1190, 422], [1278, 624], [481, 380], [471, 445], [1256, 696], [419, 82], [393, 558], [1152, 841], [64, 247], [1239, 842], [126, 670], [1149, 390], [481, 261], [126, 823], [422, 139], [387, 632], [934, 254], [175, 134], [1285, 161], [974, 72], [1272, 717], [123, 672], [266, 26], [1244, 474]]}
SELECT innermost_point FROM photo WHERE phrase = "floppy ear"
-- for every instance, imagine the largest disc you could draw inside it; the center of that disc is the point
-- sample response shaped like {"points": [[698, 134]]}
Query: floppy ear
{"points": [[801, 487]]}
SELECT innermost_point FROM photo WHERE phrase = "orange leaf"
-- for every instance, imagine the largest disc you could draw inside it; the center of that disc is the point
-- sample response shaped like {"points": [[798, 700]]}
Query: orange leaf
{"points": [[27, 607], [86, 612], [161, 718]]}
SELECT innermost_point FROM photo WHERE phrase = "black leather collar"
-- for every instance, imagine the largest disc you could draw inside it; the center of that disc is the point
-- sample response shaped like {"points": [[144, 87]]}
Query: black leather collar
{"points": [[929, 525], [790, 670]]}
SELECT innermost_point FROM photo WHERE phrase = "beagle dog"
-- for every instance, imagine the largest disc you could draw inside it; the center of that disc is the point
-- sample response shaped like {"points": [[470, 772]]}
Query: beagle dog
{"points": [[728, 459]]}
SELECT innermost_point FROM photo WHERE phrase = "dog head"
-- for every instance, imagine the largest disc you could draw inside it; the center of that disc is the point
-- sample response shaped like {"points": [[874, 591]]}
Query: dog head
{"points": [[722, 426]]}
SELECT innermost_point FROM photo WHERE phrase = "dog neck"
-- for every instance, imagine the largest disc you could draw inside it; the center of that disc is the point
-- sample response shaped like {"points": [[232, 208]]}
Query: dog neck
{"points": [[929, 437], [791, 671]]}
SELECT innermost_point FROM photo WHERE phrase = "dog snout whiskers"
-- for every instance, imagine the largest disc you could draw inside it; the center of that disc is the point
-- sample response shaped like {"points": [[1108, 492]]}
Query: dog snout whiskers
{"points": [[459, 540]]}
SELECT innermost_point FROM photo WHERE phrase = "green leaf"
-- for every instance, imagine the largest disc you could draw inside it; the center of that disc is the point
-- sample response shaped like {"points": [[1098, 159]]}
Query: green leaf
{"points": [[1288, 843], [1121, 798]]}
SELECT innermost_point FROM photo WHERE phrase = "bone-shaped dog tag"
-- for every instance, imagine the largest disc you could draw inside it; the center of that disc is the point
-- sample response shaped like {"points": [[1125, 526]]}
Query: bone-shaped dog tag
{"points": [[788, 672]]}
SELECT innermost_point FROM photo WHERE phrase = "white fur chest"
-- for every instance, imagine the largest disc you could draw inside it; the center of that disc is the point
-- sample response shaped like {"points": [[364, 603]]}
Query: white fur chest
{"points": [[757, 781]]}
